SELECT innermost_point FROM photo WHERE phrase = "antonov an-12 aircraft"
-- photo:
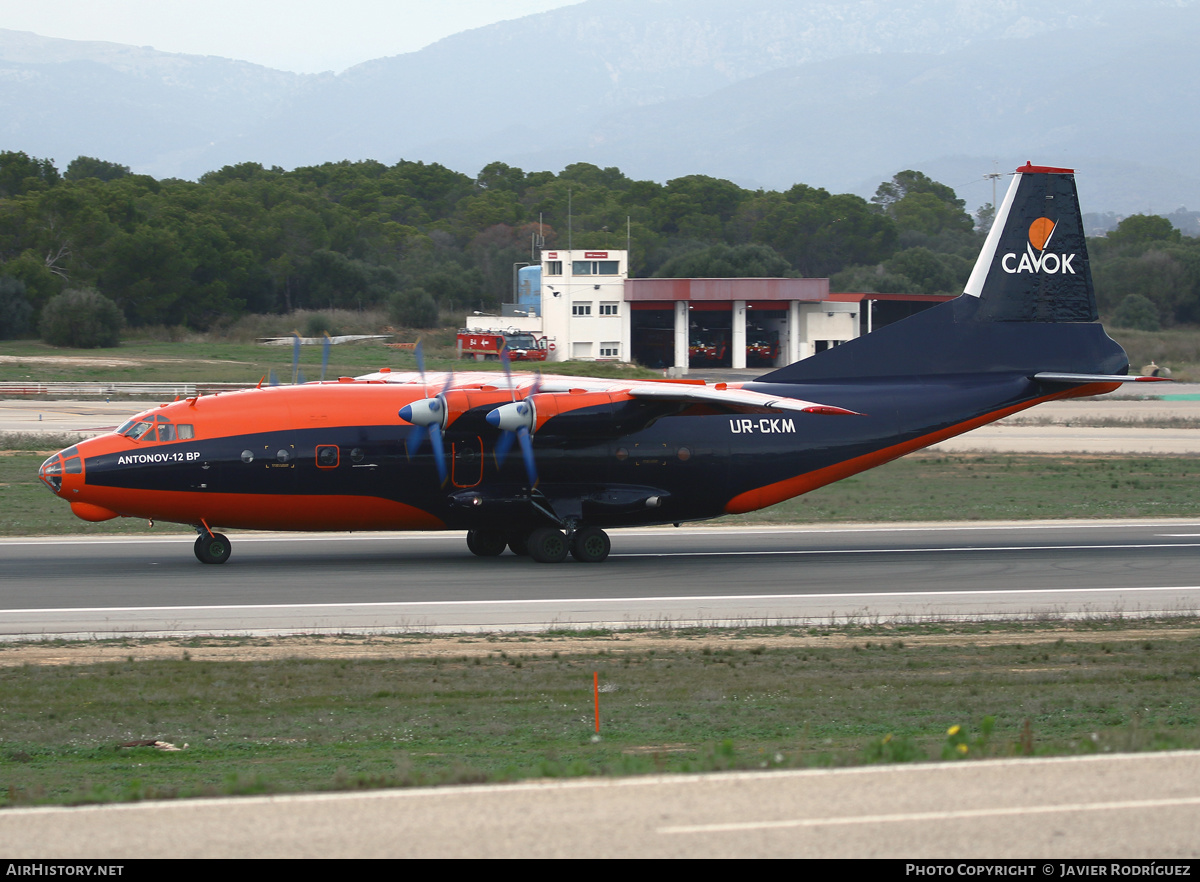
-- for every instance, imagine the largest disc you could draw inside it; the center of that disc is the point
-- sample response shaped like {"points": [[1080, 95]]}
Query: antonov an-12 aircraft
{"points": [[410, 451]]}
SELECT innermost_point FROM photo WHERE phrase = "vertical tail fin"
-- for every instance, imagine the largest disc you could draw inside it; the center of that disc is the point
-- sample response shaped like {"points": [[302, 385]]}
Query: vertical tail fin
{"points": [[1028, 306], [1034, 264]]}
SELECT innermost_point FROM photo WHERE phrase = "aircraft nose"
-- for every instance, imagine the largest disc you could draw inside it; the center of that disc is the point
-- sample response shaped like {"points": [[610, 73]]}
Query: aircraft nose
{"points": [[65, 462]]}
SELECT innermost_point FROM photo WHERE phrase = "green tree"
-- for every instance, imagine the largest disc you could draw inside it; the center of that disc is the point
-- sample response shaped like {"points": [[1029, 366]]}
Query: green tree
{"points": [[1137, 312], [21, 173], [82, 167], [724, 262], [15, 311], [498, 176], [413, 308], [819, 233], [922, 205], [1140, 231], [931, 273], [81, 318]]}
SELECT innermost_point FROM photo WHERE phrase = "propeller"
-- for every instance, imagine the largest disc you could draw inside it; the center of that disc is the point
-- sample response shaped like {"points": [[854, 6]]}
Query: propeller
{"points": [[295, 356], [516, 422], [325, 355], [428, 416]]}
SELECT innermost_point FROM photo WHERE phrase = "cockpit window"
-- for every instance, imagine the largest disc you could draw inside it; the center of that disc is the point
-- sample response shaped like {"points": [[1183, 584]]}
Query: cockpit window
{"points": [[156, 428], [139, 430]]}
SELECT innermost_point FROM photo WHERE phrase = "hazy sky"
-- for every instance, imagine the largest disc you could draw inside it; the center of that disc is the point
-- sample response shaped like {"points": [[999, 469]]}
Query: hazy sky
{"points": [[306, 36]]}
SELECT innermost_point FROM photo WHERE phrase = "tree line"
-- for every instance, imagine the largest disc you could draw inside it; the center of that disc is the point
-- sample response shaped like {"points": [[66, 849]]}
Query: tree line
{"points": [[425, 239]]}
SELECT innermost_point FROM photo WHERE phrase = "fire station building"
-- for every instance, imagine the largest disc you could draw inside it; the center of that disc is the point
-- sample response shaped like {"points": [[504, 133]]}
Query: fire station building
{"points": [[588, 308]]}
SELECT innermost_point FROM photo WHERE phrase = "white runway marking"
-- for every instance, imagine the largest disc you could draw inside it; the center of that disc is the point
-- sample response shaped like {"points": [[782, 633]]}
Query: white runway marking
{"points": [[936, 816], [404, 604], [905, 550]]}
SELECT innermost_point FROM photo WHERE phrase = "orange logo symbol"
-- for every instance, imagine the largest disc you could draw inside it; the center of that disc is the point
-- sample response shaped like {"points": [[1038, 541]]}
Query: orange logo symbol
{"points": [[1040, 232]]}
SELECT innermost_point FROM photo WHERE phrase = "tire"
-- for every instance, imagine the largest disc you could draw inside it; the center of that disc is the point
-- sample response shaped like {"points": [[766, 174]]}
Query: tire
{"points": [[547, 545], [214, 549], [590, 545], [519, 545], [485, 543]]}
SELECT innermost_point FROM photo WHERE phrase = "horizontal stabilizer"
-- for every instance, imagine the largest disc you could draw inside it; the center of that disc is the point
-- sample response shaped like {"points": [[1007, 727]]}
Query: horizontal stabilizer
{"points": [[1097, 378]]}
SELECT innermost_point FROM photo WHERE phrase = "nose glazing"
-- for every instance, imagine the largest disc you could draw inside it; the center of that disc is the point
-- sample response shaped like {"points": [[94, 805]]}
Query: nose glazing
{"points": [[65, 462], [51, 473]]}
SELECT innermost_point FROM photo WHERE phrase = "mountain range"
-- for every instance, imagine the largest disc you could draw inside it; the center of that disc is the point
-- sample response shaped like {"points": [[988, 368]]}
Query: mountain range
{"points": [[839, 94]]}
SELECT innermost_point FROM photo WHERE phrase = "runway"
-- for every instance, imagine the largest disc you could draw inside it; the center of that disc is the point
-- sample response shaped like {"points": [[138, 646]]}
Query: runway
{"points": [[396, 583]]}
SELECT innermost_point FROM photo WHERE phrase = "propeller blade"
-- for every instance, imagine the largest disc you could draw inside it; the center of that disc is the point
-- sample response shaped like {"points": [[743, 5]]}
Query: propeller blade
{"points": [[428, 416], [504, 360], [503, 445], [439, 452], [415, 438], [325, 355], [272, 379], [300, 378], [420, 353], [526, 439], [516, 422], [295, 355]]}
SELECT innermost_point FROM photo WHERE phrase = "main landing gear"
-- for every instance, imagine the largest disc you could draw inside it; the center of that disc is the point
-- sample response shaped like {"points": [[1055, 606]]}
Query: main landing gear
{"points": [[544, 544], [212, 548]]}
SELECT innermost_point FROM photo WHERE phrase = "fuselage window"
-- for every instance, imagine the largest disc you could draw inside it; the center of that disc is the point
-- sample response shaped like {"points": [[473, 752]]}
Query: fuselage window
{"points": [[327, 456]]}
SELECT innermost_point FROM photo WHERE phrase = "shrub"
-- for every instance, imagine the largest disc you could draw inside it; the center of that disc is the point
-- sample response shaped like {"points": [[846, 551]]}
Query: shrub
{"points": [[414, 308], [318, 324], [81, 318], [15, 310], [1136, 312]]}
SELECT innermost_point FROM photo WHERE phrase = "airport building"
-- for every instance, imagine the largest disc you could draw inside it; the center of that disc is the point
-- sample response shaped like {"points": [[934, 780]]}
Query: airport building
{"points": [[588, 308]]}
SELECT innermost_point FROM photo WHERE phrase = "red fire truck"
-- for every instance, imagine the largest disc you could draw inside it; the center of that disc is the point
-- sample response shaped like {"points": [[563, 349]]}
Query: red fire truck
{"points": [[486, 345]]}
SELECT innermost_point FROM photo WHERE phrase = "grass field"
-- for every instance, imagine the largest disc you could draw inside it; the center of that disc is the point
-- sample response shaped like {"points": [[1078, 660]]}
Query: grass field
{"points": [[491, 710]]}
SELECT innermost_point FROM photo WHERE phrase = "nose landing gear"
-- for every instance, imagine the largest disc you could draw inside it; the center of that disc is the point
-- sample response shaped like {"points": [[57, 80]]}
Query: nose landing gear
{"points": [[212, 548]]}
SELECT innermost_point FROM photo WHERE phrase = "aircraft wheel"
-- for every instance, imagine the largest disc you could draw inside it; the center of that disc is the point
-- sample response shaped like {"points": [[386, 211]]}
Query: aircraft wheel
{"points": [[485, 543], [547, 545], [590, 545], [212, 549], [519, 545]]}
